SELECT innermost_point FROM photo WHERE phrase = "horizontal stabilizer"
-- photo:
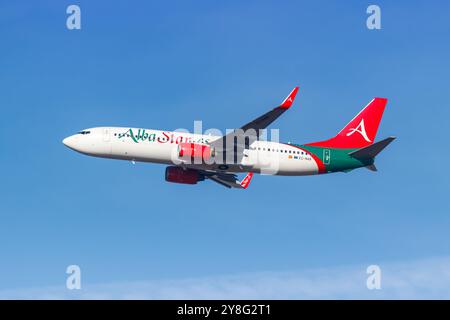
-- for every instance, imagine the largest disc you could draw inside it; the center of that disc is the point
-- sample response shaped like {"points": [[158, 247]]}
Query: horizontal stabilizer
{"points": [[372, 150]]}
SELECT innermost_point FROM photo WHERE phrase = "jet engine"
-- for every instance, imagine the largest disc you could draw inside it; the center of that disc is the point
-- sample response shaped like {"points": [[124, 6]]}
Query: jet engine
{"points": [[181, 175], [195, 151]]}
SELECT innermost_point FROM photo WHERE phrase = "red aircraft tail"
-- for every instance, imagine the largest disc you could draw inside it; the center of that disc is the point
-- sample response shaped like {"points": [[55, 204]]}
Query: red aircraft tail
{"points": [[360, 131]]}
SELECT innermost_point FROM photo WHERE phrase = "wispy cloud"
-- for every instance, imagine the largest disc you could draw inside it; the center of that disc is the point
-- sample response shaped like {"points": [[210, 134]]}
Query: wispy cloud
{"points": [[424, 279]]}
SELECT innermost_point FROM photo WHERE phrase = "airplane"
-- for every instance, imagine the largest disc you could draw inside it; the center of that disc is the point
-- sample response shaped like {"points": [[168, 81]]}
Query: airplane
{"points": [[192, 158]]}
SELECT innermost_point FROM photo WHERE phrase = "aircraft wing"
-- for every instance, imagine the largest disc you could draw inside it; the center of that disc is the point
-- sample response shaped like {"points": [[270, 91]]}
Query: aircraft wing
{"points": [[228, 180], [263, 121], [259, 123]]}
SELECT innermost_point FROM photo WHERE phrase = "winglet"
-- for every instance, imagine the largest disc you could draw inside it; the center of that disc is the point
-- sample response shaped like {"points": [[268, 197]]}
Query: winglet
{"points": [[246, 181], [287, 103]]}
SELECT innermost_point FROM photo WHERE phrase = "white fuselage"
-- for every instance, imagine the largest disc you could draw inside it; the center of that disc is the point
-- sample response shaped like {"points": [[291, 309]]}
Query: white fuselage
{"points": [[147, 145]]}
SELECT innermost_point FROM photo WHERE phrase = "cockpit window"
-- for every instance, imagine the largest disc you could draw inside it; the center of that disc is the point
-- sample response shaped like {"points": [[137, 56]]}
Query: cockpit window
{"points": [[84, 132]]}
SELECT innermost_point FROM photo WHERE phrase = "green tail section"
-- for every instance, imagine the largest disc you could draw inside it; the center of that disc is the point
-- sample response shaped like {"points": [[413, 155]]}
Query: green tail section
{"points": [[344, 160], [336, 159]]}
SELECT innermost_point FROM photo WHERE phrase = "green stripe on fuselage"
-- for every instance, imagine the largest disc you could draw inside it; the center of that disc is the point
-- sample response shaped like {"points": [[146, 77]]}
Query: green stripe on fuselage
{"points": [[337, 159]]}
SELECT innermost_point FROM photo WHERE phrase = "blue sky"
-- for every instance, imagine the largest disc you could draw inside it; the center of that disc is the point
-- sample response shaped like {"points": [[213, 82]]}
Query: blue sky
{"points": [[163, 66]]}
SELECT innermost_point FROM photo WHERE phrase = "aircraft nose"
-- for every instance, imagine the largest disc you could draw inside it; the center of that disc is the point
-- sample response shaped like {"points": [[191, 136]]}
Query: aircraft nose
{"points": [[69, 142]]}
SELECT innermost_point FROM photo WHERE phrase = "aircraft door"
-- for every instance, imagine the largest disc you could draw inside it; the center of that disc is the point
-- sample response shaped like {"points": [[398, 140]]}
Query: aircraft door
{"points": [[106, 135], [326, 156]]}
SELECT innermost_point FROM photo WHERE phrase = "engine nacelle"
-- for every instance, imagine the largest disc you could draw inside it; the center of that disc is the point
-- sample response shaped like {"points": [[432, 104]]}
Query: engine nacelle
{"points": [[188, 150], [181, 175]]}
